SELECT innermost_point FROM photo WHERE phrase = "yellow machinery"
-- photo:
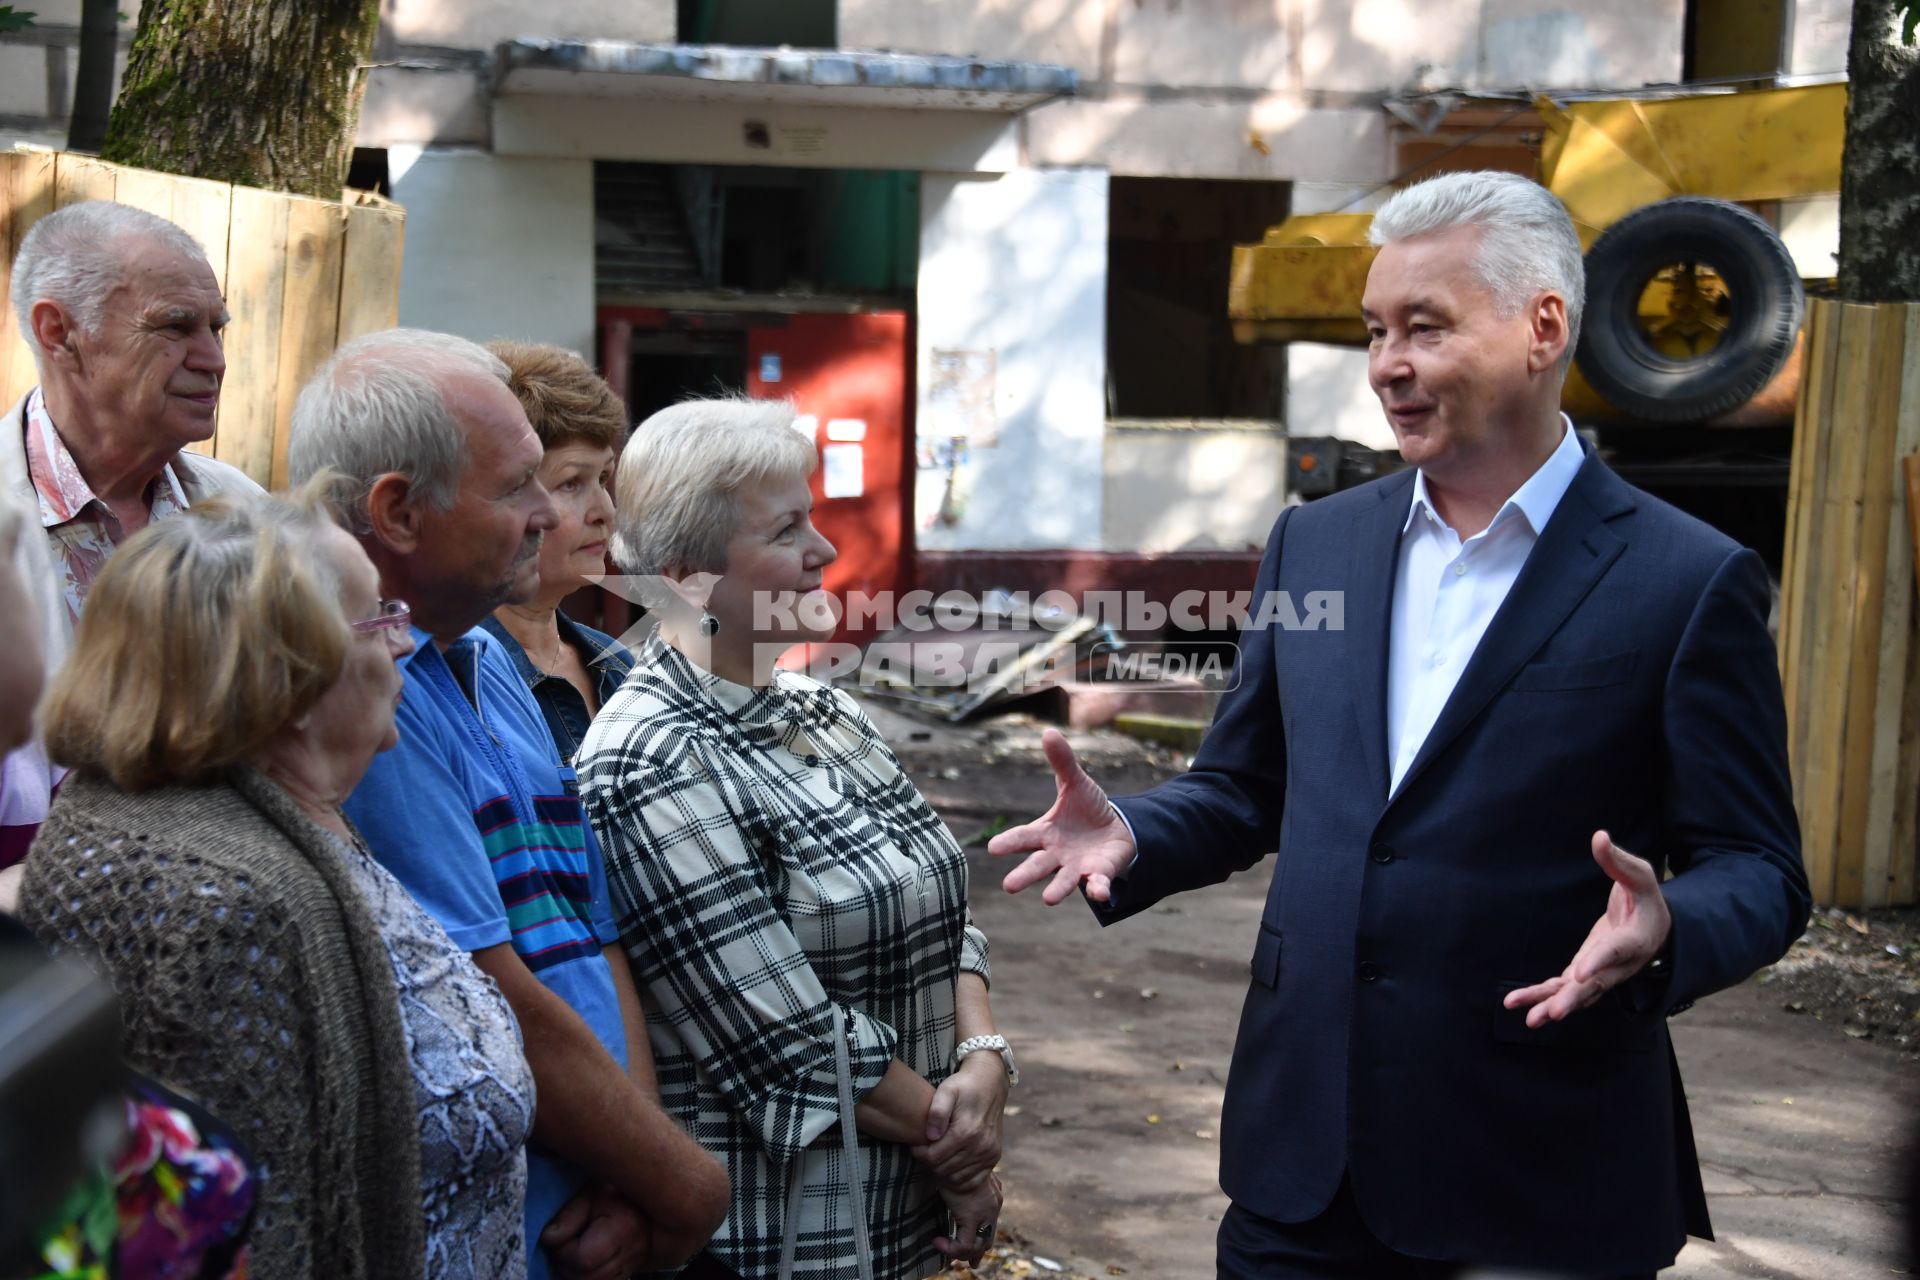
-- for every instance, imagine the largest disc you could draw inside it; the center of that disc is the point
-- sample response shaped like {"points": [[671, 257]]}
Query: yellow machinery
{"points": [[1664, 311]]}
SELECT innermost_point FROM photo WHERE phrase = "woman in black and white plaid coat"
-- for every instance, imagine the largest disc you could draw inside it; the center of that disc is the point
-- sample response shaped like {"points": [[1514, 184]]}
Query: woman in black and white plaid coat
{"points": [[777, 876]]}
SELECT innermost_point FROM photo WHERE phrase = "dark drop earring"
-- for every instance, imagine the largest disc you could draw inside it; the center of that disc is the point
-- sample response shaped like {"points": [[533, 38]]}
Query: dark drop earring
{"points": [[709, 625]]}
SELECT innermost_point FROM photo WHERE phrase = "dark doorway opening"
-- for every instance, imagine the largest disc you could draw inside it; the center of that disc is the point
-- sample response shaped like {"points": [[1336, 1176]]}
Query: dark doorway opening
{"points": [[665, 367], [1170, 346]]}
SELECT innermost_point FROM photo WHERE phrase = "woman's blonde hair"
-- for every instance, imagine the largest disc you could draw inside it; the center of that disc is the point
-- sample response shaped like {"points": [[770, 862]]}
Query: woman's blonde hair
{"points": [[204, 635], [679, 474]]}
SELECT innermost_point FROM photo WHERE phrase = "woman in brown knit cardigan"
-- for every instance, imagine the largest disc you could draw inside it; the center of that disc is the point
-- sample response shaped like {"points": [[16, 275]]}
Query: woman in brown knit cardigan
{"points": [[232, 677]]}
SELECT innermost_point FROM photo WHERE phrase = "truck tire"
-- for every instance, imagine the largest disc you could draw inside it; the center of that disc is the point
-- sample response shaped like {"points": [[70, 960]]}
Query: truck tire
{"points": [[1764, 306]]}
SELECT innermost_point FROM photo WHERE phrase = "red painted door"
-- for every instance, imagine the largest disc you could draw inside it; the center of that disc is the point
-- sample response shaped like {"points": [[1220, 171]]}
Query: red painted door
{"points": [[847, 376]]}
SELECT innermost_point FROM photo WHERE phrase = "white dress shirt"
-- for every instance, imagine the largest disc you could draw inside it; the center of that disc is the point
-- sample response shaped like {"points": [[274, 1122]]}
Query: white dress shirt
{"points": [[1446, 591]]}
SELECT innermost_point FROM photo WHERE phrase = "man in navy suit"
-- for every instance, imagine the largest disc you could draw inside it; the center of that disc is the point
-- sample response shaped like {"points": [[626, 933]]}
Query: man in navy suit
{"points": [[1454, 1048]]}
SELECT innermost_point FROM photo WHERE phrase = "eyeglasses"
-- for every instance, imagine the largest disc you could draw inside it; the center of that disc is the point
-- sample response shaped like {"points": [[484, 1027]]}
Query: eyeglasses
{"points": [[393, 616]]}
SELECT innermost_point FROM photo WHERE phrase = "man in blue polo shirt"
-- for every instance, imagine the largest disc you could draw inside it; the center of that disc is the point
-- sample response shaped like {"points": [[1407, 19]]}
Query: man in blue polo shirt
{"points": [[474, 812]]}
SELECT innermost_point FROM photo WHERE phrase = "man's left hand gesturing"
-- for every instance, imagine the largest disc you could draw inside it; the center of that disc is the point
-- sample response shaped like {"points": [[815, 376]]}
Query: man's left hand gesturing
{"points": [[1618, 946]]}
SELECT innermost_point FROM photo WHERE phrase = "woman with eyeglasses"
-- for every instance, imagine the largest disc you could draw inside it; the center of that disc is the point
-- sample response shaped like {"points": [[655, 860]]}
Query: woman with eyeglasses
{"points": [[232, 678]]}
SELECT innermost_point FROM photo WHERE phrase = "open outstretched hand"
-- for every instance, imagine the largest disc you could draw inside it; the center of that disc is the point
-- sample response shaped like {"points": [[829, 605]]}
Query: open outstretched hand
{"points": [[1081, 840], [1618, 946]]}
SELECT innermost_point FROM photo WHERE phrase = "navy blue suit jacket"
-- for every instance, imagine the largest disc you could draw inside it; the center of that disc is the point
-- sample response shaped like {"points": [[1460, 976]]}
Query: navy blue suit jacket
{"points": [[1627, 684]]}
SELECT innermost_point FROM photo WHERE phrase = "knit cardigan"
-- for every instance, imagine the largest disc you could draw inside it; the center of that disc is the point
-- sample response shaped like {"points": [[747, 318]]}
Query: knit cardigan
{"points": [[251, 976]]}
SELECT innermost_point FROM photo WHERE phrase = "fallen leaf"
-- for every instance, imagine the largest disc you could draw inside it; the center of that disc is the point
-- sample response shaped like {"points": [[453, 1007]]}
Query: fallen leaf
{"points": [[1126, 1026], [1115, 1269], [1181, 1066], [1050, 1122], [1153, 1119], [1858, 1033], [1048, 1263], [1858, 926], [1203, 1133], [1013, 1110], [1148, 993], [1794, 1006], [1099, 995]]}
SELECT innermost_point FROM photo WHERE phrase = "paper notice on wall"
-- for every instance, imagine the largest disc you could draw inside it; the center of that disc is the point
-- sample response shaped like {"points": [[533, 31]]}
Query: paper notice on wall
{"points": [[800, 140], [847, 429], [841, 471], [960, 397], [770, 367]]}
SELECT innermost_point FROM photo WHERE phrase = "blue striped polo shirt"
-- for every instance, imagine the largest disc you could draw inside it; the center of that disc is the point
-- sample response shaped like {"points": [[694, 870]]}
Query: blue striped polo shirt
{"points": [[475, 814]]}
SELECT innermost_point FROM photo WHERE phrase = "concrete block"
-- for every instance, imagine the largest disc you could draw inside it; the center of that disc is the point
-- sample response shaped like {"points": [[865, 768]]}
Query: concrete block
{"points": [[23, 80], [403, 106]]}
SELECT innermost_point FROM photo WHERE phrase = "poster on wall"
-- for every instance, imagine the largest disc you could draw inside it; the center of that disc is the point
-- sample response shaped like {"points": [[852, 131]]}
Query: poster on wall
{"points": [[960, 391], [958, 416]]}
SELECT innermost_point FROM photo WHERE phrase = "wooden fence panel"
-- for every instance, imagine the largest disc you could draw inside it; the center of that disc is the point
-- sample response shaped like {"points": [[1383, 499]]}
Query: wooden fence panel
{"points": [[374, 242], [9, 162], [1850, 659], [256, 299], [309, 320], [29, 198], [145, 189], [78, 178], [299, 276]]}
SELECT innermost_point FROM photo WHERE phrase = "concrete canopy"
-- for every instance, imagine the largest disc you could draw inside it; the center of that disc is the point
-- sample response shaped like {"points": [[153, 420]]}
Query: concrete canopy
{"points": [[740, 76]]}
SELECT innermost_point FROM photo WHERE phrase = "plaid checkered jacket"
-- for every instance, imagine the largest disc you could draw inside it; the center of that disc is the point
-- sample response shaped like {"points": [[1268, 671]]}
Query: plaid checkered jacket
{"points": [[767, 855]]}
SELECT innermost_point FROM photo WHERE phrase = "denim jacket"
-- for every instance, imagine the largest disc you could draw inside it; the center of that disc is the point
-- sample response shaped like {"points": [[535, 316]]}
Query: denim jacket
{"points": [[606, 659]]}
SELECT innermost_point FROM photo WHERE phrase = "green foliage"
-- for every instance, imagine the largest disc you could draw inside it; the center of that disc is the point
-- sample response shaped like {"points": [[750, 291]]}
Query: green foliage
{"points": [[11, 20], [1909, 11]]}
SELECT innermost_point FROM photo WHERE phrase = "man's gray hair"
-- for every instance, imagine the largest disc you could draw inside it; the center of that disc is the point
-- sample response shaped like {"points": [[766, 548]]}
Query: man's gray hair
{"points": [[681, 470], [378, 407], [1527, 242], [77, 257]]}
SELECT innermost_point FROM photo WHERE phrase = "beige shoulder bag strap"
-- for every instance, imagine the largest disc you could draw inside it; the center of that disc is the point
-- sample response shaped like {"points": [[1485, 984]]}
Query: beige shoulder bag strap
{"points": [[850, 1142]]}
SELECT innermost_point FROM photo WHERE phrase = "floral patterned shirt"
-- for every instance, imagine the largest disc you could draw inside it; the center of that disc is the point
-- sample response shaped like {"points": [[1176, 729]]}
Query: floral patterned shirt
{"points": [[83, 532]]}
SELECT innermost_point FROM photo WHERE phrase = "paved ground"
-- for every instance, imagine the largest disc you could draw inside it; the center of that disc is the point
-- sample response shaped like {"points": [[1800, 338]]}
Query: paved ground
{"points": [[1123, 1038]]}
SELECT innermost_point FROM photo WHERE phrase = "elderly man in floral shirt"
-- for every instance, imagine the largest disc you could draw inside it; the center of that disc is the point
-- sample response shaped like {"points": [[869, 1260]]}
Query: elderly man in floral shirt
{"points": [[123, 315]]}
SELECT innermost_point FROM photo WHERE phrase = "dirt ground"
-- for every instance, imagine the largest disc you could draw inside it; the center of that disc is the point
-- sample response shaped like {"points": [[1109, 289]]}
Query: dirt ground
{"points": [[1801, 1082]]}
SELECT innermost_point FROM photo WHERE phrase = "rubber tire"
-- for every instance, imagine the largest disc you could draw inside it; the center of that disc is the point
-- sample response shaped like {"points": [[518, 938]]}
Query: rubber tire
{"points": [[1763, 289]]}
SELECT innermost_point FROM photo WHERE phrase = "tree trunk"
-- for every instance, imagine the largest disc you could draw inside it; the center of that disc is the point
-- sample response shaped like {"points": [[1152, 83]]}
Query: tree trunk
{"points": [[1879, 199], [260, 92]]}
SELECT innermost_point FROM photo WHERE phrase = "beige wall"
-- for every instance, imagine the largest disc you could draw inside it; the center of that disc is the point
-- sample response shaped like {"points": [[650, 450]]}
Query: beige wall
{"points": [[1361, 46], [1191, 488], [1067, 32], [481, 24], [497, 247], [1274, 137], [1817, 35]]}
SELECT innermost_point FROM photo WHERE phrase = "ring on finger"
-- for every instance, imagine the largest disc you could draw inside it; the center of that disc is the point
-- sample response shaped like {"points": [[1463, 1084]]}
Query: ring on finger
{"points": [[983, 1231]]}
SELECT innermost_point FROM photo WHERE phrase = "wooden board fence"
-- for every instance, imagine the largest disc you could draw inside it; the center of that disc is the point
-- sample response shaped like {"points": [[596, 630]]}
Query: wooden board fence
{"points": [[1849, 660], [300, 277]]}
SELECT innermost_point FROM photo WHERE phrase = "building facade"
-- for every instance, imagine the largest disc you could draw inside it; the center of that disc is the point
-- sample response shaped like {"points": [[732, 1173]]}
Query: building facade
{"points": [[983, 245]]}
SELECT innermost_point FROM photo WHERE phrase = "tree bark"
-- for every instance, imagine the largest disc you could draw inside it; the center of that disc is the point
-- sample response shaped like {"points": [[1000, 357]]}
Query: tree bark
{"points": [[1879, 199], [265, 93]]}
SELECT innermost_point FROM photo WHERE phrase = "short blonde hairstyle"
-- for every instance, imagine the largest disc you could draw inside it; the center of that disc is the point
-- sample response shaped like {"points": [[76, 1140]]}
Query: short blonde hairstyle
{"points": [[565, 400], [681, 470], [204, 635]]}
